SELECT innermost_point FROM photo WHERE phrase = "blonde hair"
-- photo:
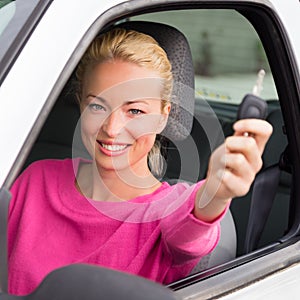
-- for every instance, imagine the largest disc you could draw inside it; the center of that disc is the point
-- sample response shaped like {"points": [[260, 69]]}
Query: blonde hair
{"points": [[140, 49]]}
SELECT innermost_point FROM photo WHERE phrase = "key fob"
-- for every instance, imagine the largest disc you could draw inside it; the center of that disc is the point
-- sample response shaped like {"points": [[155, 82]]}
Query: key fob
{"points": [[252, 107]]}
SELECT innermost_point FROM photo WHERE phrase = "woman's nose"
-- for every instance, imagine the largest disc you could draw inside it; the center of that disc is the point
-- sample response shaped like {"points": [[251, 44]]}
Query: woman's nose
{"points": [[113, 124]]}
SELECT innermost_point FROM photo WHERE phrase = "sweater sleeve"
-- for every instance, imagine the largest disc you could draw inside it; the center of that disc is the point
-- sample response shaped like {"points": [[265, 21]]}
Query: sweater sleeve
{"points": [[187, 237]]}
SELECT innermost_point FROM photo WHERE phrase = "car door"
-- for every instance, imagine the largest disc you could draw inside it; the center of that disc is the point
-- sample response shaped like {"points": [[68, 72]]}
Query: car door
{"points": [[230, 42]]}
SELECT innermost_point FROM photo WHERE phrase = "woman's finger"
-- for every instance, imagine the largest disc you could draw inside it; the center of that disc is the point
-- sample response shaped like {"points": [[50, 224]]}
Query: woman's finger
{"points": [[260, 130], [248, 148], [233, 185], [239, 165]]}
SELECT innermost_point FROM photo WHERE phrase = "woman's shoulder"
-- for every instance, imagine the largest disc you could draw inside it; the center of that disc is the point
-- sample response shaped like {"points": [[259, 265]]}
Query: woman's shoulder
{"points": [[49, 168], [48, 165]]}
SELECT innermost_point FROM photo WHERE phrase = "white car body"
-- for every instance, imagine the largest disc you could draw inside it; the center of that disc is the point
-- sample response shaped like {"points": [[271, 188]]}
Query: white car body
{"points": [[27, 87]]}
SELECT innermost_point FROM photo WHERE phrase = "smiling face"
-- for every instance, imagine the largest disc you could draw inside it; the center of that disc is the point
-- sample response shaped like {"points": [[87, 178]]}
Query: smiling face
{"points": [[121, 113]]}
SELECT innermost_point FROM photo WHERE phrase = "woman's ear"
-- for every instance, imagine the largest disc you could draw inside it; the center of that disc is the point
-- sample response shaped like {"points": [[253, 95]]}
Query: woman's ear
{"points": [[167, 108]]}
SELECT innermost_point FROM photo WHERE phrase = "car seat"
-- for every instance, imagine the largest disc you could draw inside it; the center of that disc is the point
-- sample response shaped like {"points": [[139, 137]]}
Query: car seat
{"points": [[56, 137], [268, 221]]}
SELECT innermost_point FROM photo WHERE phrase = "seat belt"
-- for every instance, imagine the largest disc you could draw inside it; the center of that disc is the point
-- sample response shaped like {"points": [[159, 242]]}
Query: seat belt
{"points": [[263, 195], [4, 203]]}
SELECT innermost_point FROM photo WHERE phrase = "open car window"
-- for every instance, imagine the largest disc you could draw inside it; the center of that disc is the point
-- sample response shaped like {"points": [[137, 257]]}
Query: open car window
{"points": [[227, 56], [227, 53]]}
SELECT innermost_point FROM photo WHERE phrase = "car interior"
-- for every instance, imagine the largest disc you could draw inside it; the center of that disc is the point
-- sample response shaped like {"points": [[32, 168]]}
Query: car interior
{"points": [[206, 116]]}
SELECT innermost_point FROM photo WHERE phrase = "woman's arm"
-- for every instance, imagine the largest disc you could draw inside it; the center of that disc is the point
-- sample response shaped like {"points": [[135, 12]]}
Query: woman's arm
{"points": [[232, 168]]}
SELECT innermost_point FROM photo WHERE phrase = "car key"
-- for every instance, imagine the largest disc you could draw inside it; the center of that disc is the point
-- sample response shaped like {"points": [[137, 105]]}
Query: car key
{"points": [[252, 106]]}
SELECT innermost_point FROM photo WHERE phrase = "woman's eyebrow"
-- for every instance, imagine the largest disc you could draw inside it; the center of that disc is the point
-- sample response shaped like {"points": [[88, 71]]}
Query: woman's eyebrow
{"points": [[136, 101], [97, 97], [102, 100]]}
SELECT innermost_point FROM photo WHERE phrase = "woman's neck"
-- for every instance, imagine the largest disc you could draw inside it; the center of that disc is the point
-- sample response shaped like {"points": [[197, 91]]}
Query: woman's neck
{"points": [[112, 185]]}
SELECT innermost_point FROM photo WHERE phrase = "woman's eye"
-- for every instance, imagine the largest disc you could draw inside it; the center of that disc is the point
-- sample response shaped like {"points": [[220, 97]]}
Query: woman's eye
{"points": [[96, 107], [135, 111]]}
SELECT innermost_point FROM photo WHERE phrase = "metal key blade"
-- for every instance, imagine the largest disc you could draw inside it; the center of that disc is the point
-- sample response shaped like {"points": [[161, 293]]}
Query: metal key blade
{"points": [[258, 87]]}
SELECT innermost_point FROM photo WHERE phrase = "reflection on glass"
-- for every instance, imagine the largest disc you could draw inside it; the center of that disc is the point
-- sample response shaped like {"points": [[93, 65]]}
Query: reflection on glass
{"points": [[7, 11]]}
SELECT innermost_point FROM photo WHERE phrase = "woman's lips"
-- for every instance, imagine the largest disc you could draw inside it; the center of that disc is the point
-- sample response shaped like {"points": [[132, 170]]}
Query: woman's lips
{"points": [[112, 149]]}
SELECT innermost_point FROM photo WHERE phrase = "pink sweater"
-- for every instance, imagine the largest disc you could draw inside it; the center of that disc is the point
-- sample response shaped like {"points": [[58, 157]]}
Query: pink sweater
{"points": [[52, 225]]}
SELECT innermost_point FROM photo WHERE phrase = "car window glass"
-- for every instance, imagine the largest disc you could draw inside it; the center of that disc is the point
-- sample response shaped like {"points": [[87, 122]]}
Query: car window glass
{"points": [[226, 50], [16, 21], [7, 11]]}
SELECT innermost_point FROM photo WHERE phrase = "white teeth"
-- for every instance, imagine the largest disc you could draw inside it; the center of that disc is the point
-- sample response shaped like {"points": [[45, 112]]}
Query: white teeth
{"points": [[114, 147]]}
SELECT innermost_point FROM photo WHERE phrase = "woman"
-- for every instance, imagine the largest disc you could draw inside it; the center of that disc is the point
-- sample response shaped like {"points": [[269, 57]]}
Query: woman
{"points": [[112, 211]]}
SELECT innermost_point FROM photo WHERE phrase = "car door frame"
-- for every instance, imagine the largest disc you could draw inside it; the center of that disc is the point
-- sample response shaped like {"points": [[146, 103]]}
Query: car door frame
{"points": [[232, 275]]}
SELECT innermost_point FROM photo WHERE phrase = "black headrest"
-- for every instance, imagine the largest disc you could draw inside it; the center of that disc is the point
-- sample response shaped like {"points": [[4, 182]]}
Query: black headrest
{"points": [[178, 50]]}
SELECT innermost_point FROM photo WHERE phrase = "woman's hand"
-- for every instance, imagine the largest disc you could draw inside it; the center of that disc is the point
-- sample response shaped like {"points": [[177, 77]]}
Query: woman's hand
{"points": [[232, 168]]}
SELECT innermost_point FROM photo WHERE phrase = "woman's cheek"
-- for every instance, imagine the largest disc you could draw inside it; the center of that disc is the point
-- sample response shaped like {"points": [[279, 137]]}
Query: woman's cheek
{"points": [[91, 123], [90, 127], [144, 125]]}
